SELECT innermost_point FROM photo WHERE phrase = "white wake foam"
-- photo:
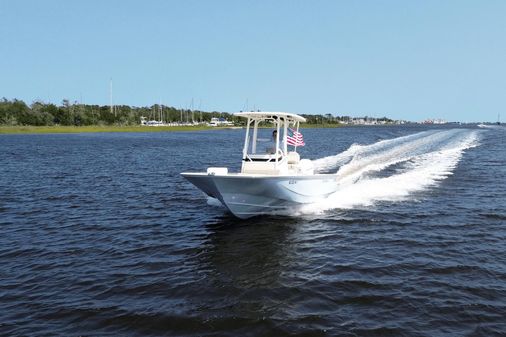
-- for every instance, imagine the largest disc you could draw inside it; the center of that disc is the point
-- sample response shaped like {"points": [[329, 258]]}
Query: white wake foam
{"points": [[416, 162]]}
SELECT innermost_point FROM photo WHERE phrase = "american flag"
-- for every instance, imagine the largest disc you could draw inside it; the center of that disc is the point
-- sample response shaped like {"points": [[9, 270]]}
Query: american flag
{"points": [[294, 138]]}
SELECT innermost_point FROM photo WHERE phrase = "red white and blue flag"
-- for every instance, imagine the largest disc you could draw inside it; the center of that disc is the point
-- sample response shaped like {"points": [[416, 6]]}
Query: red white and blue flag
{"points": [[294, 138]]}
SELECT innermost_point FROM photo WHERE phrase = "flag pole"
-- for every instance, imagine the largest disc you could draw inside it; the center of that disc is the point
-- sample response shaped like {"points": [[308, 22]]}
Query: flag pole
{"points": [[297, 126]]}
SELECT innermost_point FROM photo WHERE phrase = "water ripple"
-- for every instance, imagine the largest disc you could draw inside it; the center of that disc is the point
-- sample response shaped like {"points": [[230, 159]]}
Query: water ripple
{"points": [[102, 237]]}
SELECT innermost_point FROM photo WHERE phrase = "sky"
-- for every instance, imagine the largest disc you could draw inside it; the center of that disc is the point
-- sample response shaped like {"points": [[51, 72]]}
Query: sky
{"points": [[407, 60]]}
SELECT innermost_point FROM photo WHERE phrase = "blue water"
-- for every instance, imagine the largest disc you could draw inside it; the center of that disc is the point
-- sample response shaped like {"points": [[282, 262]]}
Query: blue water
{"points": [[100, 236]]}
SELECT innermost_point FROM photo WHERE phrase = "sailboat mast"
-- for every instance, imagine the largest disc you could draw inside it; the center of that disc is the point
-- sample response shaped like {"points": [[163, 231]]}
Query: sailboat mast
{"points": [[193, 121], [110, 96], [200, 110]]}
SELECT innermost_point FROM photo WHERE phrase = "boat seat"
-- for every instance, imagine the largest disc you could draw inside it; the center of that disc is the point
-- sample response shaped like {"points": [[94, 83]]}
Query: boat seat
{"points": [[293, 157]]}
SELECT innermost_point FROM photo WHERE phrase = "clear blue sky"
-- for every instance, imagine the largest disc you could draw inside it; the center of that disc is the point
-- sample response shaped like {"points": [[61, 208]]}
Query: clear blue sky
{"points": [[403, 59]]}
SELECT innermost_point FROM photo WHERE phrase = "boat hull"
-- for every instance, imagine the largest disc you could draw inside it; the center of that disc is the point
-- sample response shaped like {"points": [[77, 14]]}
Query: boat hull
{"points": [[246, 196]]}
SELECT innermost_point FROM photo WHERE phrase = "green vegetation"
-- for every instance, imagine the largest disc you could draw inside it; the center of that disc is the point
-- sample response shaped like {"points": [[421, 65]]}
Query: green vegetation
{"points": [[96, 128], [327, 120], [18, 113], [325, 125], [39, 117]]}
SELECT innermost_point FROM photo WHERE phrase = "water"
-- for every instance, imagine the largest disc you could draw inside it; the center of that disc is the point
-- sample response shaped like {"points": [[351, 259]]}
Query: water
{"points": [[100, 236]]}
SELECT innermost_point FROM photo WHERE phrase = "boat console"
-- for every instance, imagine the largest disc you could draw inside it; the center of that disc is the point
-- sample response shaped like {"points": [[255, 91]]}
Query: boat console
{"points": [[276, 160]]}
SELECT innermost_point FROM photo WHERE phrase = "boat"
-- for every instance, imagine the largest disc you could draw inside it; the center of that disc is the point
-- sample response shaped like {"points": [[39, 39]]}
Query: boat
{"points": [[273, 180]]}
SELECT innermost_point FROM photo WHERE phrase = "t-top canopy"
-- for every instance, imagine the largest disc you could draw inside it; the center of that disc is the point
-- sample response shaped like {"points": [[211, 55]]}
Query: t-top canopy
{"points": [[268, 115]]}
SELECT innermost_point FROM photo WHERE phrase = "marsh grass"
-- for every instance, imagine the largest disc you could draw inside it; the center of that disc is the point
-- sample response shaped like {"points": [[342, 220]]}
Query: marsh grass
{"points": [[115, 128], [95, 128]]}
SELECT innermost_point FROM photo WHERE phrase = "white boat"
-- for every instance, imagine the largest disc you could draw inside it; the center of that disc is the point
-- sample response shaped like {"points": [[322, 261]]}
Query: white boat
{"points": [[273, 180]]}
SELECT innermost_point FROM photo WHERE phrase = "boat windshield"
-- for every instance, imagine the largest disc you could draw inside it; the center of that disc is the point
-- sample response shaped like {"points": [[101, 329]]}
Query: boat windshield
{"points": [[265, 142], [266, 138]]}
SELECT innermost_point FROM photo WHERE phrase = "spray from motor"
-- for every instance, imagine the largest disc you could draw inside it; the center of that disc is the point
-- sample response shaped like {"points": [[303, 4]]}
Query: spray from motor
{"points": [[414, 163]]}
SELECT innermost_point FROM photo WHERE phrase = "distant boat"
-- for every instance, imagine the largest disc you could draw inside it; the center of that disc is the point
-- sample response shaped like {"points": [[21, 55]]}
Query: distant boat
{"points": [[215, 121], [498, 119]]}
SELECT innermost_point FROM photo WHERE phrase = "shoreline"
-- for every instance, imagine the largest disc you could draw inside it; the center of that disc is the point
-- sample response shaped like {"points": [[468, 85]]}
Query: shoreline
{"points": [[27, 129]]}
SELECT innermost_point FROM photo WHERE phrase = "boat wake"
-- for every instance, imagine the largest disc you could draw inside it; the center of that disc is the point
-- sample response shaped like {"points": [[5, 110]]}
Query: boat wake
{"points": [[492, 126], [392, 170]]}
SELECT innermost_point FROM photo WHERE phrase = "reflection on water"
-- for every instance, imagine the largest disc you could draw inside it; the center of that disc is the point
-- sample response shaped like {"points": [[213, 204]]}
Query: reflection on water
{"points": [[237, 250], [246, 261]]}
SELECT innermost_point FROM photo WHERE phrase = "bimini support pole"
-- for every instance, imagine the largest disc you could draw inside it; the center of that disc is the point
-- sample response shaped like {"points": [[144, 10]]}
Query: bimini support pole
{"points": [[277, 139], [285, 129], [245, 148], [255, 132]]}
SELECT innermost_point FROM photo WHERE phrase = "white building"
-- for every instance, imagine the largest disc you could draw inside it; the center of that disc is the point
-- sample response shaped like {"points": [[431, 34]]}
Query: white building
{"points": [[215, 121]]}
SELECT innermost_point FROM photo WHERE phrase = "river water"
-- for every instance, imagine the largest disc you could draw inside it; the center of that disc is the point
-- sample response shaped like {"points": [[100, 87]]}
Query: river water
{"points": [[101, 236]]}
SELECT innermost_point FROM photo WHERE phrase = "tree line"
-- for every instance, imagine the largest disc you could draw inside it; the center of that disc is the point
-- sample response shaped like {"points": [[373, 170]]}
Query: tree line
{"points": [[16, 112]]}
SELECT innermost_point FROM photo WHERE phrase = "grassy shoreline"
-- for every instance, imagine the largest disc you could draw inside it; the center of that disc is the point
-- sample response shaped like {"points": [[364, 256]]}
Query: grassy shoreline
{"points": [[95, 128], [26, 129], [321, 126]]}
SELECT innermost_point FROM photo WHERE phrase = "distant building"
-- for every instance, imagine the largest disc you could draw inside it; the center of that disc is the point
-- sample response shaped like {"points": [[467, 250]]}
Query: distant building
{"points": [[151, 123], [215, 121], [434, 121]]}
